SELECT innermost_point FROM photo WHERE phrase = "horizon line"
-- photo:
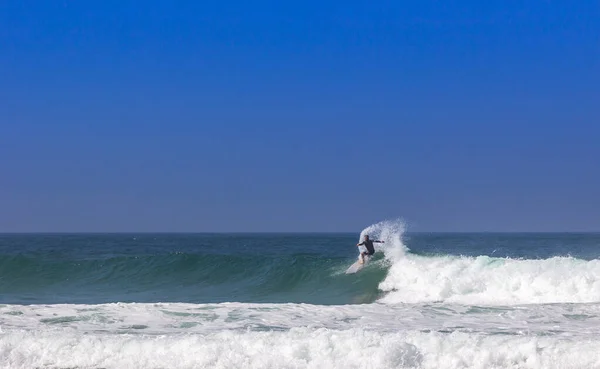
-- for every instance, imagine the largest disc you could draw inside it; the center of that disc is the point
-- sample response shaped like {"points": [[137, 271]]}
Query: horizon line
{"points": [[281, 232]]}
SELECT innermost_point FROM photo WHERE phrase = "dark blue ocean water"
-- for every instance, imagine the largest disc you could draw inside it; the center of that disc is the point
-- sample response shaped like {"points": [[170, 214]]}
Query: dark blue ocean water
{"points": [[207, 268]]}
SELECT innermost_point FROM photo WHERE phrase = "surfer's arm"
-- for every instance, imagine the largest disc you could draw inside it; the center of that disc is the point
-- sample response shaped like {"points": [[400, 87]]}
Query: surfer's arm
{"points": [[379, 241], [360, 244]]}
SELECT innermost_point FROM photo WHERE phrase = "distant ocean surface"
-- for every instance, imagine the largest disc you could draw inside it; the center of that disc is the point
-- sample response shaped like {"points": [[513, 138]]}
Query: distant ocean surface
{"points": [[284, 301]]}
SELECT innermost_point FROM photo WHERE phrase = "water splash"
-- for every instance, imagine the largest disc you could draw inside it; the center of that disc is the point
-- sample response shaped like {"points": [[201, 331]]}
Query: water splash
{"points": [[391, 232]]}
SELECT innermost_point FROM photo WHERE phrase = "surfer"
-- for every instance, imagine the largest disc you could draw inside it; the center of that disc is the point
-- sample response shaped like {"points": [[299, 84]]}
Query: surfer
{"points": [[370, 248]]}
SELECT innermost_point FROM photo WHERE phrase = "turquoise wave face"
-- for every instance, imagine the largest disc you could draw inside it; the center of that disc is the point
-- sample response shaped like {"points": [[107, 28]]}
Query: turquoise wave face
{"points": [[198, 270]]}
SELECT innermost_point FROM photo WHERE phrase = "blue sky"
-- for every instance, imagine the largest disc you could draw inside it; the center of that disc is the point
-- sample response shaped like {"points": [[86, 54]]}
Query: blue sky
{"points": [[307, 116]]}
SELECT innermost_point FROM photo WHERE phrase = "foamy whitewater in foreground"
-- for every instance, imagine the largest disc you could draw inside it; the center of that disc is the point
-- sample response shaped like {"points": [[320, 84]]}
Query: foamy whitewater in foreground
{"points": [[425, 308]]}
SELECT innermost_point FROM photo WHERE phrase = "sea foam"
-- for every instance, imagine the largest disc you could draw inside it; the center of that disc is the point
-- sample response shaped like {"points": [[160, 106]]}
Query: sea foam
{"points": [[297, 348], [492, 281], [483, 280]]}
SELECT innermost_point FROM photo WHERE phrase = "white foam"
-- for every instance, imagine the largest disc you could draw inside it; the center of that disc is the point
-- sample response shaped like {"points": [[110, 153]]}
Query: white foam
{"points": [[481, 280], [236, 335], [492, 281], [297, 348], [582, 320]]}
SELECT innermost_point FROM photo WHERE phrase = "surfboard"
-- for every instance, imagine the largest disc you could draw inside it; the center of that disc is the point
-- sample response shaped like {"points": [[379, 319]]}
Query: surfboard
{"points": [[357, 265]]}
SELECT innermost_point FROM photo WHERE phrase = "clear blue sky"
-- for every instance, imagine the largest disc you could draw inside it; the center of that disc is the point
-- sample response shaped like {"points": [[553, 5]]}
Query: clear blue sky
{"points": [[306, 116]]}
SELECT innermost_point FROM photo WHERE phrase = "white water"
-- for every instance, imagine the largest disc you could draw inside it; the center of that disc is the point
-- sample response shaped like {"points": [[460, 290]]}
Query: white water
{"points": [[297, 348], [168, 318], [492, 281], [235, 335], [481, 280]]}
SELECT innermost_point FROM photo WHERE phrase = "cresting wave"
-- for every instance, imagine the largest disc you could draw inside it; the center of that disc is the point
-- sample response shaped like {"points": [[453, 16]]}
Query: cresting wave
{"points": [[204, 275], [481, 280]]}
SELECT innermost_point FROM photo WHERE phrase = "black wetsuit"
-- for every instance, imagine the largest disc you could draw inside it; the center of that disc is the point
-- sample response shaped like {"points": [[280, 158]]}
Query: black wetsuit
{"points": [[369, 245]]}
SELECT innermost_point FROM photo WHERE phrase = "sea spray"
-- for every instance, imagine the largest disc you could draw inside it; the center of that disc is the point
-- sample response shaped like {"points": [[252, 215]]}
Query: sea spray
{"points": [[391, 232]]}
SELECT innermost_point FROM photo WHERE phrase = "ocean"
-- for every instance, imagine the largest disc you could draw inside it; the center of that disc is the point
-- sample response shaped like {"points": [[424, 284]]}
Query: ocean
{"points": [[477, 300]]}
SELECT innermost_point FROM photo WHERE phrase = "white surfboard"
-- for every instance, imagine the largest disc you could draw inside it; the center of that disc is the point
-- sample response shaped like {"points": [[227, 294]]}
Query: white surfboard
{"points": [[357, 265]]}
